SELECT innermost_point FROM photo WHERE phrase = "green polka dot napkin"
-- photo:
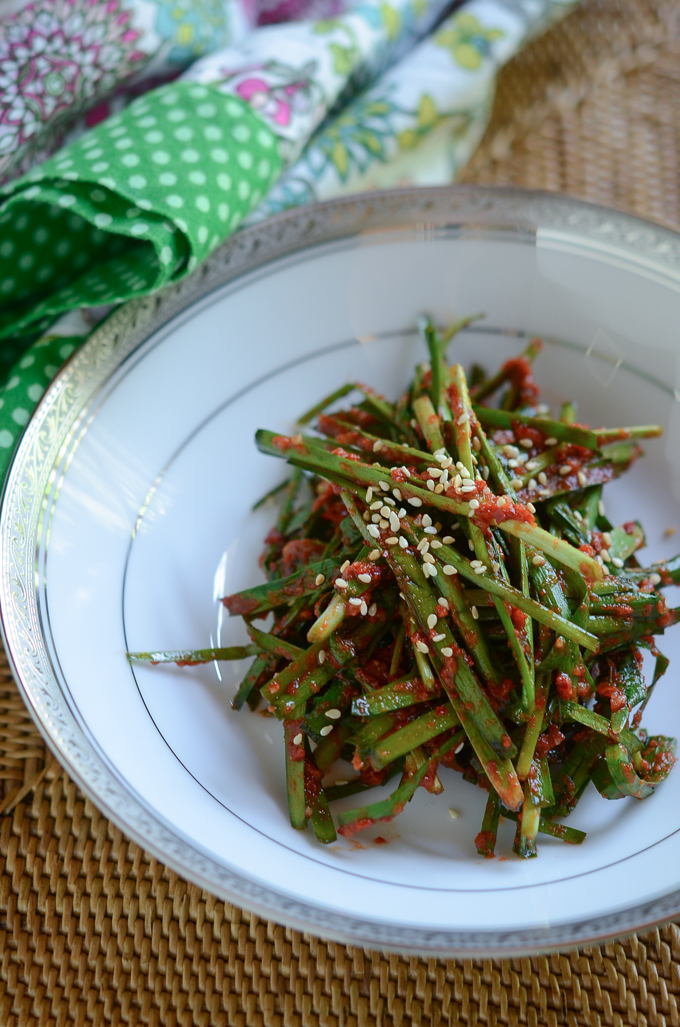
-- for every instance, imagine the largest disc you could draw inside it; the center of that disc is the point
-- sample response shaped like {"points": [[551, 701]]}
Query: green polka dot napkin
{"points": [[134, 204]]}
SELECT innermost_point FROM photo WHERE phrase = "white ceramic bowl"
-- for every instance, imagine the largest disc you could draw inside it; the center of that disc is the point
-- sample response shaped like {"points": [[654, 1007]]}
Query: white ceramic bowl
{"points": [[127, 512]]}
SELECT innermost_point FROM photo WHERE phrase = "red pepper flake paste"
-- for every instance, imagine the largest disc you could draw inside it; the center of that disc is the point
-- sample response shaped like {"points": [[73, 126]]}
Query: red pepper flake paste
{"points": [[527, 431], [548, 741], [485, 843], [298, 553], [399, 474], [380, 840], [521, 376], [502, 691], [564, 686], [616, 695], [339, 451], [489, 513], [518, 618]]}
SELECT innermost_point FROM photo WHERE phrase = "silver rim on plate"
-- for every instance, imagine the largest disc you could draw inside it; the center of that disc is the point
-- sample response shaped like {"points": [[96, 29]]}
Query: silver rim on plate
{"points": [[61, 414]]}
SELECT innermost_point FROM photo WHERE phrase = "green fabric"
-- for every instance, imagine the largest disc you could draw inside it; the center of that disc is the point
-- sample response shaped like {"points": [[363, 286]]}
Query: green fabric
{"points": [[136, 203], [23, 389]]}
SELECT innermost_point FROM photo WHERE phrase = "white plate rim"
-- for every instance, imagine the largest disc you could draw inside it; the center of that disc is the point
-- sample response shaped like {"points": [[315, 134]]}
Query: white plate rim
{"points": [[564, 222]]}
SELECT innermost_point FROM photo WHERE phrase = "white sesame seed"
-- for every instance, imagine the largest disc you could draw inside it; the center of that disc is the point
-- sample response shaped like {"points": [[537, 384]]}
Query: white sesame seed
{"points": [[531, 465], [414, 501], [435, 472], [438, 489], [582, 480], [432, 620], [430, 484], [449, 570], [344, 567], [476, 563], [355, 601], [403, 543], [463, 419], [447, 651], [427, 521], [333, 714], [606, 538], [366, 516], [392, 541], [385, 511], [394, 521], [443, 601], [363, 610], [516, 483], [475, 612], [322, 656], [384, 486], [513, 464], [527, 443], [599, 560], [438, 638], [457, 481], [485, 472], [565, 469], [298, 739], [468, 488], [369, 494], [423, 545], [476, 444], [542, 478], [382, 524], [373, 530], [448, 539], [326, 730], [377, 446], [426, 569], [340, 583], [458, 748], [617, 561], [435, 543], [552, 441], [532, 486], [374, 554], [397, 495], [544, 492], [538, 561], [428, 557], [531, 508], [433, 570], [600, 508], [500, 501], [471, 545], [604, 553], [510, 451], [430, 530], [319, 579], [401, 512], [421, 647], [366, 578], [402, 596], [655, 579], [375, 518]]}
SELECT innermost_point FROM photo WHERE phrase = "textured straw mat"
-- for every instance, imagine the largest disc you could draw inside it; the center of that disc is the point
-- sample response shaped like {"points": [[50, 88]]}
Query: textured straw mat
{"points": [[93, 930]]}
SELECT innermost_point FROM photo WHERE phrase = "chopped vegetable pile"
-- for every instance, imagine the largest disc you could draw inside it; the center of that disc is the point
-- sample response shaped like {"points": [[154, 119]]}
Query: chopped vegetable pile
{"points": [[445, 590]]}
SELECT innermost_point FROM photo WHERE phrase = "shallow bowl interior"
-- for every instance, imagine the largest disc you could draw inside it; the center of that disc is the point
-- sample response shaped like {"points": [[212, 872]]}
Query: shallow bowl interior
{"points": [[128, 513]]}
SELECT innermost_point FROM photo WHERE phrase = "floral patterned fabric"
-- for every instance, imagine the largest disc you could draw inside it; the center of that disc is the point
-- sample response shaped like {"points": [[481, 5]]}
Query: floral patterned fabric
{"points": [[421, 122], [57, 57]]}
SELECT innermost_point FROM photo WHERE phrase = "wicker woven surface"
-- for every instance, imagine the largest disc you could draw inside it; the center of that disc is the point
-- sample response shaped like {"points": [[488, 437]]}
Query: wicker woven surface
{"points": [[92, 930]]}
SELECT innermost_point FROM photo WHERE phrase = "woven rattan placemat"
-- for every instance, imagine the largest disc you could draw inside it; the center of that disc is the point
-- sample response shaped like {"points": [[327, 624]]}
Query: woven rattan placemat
{"points": [[92, 930]]}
